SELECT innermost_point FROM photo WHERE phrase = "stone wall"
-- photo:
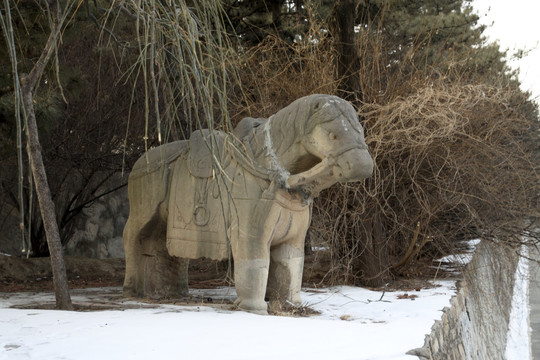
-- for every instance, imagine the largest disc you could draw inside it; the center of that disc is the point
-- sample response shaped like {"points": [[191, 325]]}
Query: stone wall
{"points": [[10, 235], [96, 232], [98, 229], [475, 326]]}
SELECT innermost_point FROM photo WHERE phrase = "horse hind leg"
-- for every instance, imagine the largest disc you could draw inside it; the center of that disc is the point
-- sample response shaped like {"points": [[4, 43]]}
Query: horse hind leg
{"points": [[133, 254], [165, 276], [150, 271]]}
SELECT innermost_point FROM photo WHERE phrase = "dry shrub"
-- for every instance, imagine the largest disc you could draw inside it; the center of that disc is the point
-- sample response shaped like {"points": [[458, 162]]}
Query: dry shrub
{"points": [[275, 73], [452, 162]]}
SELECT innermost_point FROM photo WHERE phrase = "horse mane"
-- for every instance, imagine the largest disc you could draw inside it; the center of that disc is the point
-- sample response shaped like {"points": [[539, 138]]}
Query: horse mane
{"points": [[305, 113]]}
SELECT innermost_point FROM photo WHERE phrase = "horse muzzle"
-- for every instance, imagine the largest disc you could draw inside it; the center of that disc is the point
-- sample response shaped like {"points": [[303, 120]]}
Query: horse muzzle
{"points": [[353, 165]]}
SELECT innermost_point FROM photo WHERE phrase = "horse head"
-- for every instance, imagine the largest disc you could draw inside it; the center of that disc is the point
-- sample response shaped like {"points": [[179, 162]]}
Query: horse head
{"points": [[331, 143]]}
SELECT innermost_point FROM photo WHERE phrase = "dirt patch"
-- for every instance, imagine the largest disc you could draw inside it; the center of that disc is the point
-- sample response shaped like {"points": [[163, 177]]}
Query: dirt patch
{"points": [[34, 274]]}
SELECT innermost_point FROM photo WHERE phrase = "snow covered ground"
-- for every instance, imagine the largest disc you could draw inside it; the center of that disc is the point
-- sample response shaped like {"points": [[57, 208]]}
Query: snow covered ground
{"points": [[354, 323]]}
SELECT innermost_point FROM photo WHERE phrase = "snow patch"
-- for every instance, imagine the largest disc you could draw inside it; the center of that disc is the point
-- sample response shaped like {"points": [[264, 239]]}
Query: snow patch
{"points": [[452, 262], [518, 344], [354, 323], [330, 102]]}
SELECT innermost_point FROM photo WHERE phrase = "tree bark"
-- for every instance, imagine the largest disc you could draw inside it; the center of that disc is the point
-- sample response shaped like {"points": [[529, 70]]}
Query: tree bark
{"points": [[344, 16], [374, 263], [46, 204]]}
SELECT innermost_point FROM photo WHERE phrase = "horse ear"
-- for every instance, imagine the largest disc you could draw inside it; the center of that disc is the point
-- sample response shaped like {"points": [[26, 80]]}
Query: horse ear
{"points": [[246, 125]]}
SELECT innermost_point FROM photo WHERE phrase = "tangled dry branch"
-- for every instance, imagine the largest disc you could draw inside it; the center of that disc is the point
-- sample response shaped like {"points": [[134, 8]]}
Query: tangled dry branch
{"points": [[455, 159]]}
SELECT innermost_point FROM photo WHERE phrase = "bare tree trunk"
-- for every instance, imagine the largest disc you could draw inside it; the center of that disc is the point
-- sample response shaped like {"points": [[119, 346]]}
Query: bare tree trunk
{"points": [[46, 205], [344, 16], [374, 263]]}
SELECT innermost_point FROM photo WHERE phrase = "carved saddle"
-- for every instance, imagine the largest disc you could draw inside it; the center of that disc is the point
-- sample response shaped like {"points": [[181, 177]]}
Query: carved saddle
{"points": [[196, 226], [206, 153]]}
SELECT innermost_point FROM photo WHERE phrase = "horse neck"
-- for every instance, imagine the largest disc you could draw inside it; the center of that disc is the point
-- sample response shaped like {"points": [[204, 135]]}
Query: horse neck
{"points": [[271, 149]]}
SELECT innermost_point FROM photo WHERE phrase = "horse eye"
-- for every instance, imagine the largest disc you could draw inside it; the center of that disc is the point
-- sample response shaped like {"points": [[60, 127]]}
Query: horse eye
{"points": [[332, 136]]}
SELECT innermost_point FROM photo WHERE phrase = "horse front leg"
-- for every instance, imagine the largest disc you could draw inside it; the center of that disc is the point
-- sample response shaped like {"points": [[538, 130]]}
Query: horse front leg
{"points": [[285, 276], [287, 261], [250, 279], [250, 234]]}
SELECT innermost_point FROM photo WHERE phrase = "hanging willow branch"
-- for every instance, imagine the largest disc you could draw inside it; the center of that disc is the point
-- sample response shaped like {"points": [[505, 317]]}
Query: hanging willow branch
{"points": [[7, 29], [184, 62]]}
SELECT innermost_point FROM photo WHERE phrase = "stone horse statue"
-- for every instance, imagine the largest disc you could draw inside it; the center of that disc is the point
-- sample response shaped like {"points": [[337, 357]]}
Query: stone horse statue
{"points": [[247, 195]]}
